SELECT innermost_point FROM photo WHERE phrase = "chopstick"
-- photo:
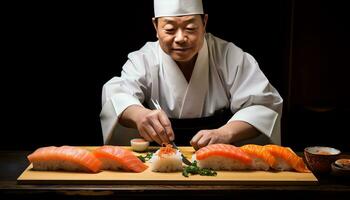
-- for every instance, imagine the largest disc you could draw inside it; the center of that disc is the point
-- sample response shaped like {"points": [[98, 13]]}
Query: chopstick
{"points": [[156, 104], [184, 159]]}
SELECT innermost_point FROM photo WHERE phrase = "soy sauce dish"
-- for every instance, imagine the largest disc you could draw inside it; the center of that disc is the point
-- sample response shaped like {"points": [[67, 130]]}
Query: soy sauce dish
{"points": [[319, 150], [320, 158], [341, 167], [139, 144]]}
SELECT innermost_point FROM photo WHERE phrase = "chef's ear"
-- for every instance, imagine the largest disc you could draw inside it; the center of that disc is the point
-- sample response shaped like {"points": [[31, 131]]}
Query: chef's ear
{"points": [[155, 24], [205, 20]]}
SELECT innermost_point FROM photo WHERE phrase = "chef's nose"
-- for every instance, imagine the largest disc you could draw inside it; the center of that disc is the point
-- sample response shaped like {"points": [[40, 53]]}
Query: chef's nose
{"points": [[180, 37]]}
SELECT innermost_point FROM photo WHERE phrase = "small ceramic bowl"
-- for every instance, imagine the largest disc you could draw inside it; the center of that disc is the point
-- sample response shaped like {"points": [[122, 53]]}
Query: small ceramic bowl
{"points": [[341, 167], [139, 144], [320, 159]]}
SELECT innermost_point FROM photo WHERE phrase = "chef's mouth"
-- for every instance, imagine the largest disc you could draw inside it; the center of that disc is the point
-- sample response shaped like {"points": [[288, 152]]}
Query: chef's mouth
{"points": [[181, 49]]}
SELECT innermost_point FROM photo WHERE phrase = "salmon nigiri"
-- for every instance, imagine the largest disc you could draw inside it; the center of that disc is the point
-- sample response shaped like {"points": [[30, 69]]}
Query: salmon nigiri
{"points": [[222, 157], [262, 158], [115, 158], [66, 158], [286, 159]]}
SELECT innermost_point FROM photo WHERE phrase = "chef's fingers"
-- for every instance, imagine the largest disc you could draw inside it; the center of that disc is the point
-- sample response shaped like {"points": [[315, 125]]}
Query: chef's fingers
{"points": [[203, 141], [164, 120], [212, 141], [195, 139], [152, 133], [145, 135], [160, 130]]}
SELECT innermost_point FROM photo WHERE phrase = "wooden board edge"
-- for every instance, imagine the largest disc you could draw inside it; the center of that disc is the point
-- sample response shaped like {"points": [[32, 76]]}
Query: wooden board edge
{"points": [[164, 182]]}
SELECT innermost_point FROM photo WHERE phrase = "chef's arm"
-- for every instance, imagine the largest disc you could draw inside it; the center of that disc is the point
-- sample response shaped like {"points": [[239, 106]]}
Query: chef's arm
{"points": [[129, 116], [153, 125], [229, 133], [239, 130], [256, 101]]}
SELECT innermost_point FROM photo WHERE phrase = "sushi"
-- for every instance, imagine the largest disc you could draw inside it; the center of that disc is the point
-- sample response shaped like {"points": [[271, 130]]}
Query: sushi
{"points": [[262, 158], [222, 157], [116, 158], [166, 159], [66, 158], [286, 159]]}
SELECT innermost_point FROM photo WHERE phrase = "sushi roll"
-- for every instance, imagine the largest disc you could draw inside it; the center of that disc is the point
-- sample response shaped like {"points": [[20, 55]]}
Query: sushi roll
{"points": [[262, 158], [286, 159], [222, 157], [66, 158], [117, 158], [166, 159]]}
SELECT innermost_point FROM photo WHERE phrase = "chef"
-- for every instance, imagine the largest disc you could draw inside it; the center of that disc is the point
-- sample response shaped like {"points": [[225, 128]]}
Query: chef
{"points": [[209, 90]]}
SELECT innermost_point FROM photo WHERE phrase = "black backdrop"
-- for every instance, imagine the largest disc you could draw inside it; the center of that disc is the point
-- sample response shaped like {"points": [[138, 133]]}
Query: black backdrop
{"points": [[58, 56]]}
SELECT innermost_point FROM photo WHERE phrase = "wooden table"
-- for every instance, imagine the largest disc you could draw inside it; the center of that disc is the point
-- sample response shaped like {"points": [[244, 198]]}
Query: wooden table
{"points": [[13, 163]]}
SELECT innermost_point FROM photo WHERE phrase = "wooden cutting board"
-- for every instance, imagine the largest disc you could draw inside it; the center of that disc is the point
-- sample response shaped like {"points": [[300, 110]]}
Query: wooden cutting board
{"points": [[30, 176]]}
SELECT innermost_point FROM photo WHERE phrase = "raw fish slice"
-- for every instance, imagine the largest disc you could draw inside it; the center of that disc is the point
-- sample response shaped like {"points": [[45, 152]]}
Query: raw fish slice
{"points": [[66, 158], [115, 158], [224, 150], [222, 157], [262, 159], [285, 156]]}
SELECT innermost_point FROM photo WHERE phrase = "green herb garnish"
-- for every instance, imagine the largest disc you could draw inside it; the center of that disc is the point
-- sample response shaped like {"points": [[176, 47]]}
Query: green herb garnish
{"points": [[194, 169], [146, 157]]}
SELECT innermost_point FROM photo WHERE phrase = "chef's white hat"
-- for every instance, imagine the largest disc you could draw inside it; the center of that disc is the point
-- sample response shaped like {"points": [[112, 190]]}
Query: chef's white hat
{"points": [[163, 8]]}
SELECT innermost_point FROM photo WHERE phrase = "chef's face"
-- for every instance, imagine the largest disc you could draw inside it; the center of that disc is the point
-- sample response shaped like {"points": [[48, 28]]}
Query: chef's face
{"points": [[181, 37]]}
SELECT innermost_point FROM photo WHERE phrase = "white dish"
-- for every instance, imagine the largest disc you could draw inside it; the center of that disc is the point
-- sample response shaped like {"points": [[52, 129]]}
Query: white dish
{"points": [[139, 144]]}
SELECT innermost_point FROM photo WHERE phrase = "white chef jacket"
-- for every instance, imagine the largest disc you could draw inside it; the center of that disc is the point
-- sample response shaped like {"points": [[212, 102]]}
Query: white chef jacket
{"points": [[224, 76]]}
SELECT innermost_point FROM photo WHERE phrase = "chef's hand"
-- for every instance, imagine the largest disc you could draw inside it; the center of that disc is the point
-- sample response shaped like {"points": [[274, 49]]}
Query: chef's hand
{"points": [[213, 136], [154, 125], [231, 132]]}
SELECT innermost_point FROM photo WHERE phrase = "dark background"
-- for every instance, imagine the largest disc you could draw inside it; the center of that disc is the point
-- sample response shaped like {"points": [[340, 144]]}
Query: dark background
{"points": [[57, 56]]}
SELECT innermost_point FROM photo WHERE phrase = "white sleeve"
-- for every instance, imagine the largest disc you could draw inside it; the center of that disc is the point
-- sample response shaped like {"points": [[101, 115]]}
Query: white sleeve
{"points": [[122, 92], [253, 99]]}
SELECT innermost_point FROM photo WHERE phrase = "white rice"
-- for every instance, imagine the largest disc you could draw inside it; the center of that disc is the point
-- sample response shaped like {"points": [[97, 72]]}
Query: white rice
{"points": [[53, 165], [109, 164], [221, 163], [282, 165], [166, 163], [259, 164]]}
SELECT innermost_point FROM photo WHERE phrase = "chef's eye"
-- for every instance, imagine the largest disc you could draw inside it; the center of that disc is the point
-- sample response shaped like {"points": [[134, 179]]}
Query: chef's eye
{"points": [[169, 30], [191, 29]]}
